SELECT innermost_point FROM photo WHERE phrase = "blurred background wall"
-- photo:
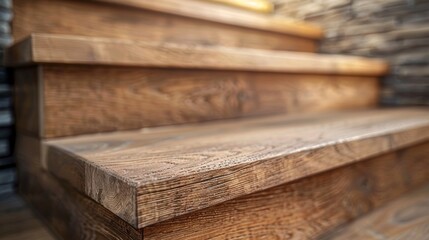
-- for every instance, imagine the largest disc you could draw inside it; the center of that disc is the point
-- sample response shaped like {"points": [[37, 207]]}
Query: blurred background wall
{"points": [[397, 30], [7, 170]]}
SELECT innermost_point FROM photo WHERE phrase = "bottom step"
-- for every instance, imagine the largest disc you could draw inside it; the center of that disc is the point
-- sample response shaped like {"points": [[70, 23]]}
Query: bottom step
{"points": [[304, 209], [410, 215]]}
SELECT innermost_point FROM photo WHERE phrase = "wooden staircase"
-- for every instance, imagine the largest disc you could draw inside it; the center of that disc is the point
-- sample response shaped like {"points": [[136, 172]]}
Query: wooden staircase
{"points": [[116, 103]]}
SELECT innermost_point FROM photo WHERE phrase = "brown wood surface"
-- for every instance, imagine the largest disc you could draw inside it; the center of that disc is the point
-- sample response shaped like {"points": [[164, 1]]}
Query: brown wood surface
{"points": [[51, 48], [261, 6], [404, 219], [17, 221], [193, 167], [69, 214], [28, 101], [303, 209], [83, 99], [307, 208], [156, 21], [199, 10]]}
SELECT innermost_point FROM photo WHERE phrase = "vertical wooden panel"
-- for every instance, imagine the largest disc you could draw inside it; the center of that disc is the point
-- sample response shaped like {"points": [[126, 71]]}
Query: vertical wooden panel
{"points": [[405, 218], [28, 99], [89, 99]]}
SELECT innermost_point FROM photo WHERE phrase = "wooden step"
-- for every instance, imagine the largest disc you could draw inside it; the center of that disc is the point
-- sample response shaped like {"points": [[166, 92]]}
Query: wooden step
{"points": [[68, 49], [185, 21], [86, 85], [197, 166], [404, 218], [303, 209], [262, 6]]}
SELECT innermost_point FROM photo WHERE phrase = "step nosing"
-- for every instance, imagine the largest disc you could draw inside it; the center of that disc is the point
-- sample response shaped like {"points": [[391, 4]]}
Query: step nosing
{"points": [[65, 49]]}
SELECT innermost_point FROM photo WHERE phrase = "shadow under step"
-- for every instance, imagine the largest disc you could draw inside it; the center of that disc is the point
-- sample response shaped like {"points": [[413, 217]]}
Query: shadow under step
{"points": [[185, 21], [79, 85], [152, 175]]}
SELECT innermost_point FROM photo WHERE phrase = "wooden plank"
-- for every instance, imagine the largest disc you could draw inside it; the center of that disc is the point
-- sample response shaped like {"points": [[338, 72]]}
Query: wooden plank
{"points": [[261, 6], [85, 99], [67, 213], [18, 222], [193, 167], [314, 205], [48, 48], [405, 218], [163, 21], [199, 10], [307, 208]]}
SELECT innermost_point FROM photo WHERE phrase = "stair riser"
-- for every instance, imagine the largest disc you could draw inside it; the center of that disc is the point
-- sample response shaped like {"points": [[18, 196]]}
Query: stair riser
{"points": [[71, 100], [306, 208], [79, 18], [315, 205], [403, 218]]}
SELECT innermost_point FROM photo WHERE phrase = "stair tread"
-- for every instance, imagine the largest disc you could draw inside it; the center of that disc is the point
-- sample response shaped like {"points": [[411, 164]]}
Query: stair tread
{"points": [[404, 218], [227, 15], [65, 49], [154, 174]]}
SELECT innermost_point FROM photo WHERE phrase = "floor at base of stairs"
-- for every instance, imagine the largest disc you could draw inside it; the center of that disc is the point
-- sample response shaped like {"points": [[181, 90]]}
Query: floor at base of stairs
{"points": [[17, 221]]}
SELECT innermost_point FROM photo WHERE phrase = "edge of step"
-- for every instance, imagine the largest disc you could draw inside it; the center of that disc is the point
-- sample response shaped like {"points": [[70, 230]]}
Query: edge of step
{"points": [[227, 15], [152, 175], [64, 49]]}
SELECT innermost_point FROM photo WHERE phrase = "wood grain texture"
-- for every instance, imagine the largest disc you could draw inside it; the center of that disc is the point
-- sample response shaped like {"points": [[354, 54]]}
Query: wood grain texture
{"points": [[67, 213], [307, 208], [194, 167], [18, 222], [153, 21], [51, 48], [86, 99], [403, 219]]}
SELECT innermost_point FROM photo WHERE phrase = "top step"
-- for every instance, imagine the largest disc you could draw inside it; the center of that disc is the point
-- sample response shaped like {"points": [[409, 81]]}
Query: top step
{"points": [[152, 175], [261, 6], [185, 21]]}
